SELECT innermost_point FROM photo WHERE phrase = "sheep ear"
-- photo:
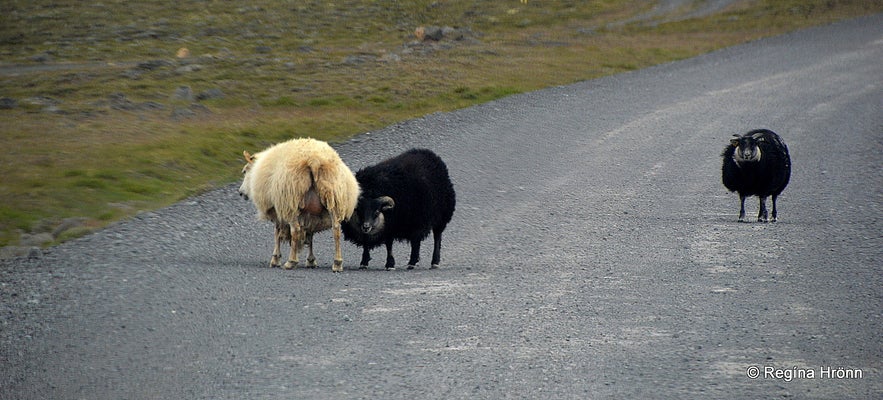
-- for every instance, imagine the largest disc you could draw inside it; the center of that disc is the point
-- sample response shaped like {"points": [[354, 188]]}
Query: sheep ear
{"points": [[734, 142], [248, 157], [386, 203]]}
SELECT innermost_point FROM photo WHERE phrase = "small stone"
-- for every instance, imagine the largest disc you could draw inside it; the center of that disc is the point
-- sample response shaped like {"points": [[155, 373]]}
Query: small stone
{"points": [[213, 93], [35, 253], [433, 33], [42, 58], [183, 93], [153, 64], [7, 103]]}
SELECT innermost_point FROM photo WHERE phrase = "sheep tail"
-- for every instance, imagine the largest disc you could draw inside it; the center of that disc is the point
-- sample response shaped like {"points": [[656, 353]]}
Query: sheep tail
{"points": [[314, 166], [336, 186], [322, 181]]}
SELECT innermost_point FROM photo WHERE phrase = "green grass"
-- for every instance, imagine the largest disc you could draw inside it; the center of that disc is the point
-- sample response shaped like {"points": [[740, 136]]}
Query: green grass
{"points": [[280, 65]]}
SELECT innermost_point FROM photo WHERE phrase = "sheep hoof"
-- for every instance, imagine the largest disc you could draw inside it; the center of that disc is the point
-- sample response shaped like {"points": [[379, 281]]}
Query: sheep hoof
{"points": [[411, 266], [433, 266], [312, 263], [337, 266], [390, 268], [290, 264], [363, 266]]}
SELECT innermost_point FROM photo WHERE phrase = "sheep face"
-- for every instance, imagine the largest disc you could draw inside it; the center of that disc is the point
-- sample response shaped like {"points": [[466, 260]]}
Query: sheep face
{"points": [[368, 216], [746, 148], [245, 188]]}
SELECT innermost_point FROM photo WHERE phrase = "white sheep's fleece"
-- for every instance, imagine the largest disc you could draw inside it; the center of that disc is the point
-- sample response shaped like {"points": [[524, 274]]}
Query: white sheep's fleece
{"points": [[283, 173]]}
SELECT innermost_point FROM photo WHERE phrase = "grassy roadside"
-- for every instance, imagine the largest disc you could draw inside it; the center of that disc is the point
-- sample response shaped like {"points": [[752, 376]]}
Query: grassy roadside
{"points": [[113, 133]]}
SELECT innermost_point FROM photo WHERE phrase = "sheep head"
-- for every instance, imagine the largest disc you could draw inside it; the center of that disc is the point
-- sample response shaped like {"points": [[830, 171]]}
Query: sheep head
{"points": [[245, 188], [369, 214], [747, 149]]}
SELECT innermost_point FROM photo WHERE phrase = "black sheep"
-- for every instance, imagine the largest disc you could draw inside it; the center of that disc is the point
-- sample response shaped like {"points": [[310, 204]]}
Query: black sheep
{"points": [[756, 163], [403, 198]]}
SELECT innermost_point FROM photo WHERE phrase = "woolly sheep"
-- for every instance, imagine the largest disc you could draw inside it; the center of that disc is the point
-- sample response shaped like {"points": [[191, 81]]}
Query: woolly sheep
{"points": [[756, 163], [403, 198], [303, 187]]}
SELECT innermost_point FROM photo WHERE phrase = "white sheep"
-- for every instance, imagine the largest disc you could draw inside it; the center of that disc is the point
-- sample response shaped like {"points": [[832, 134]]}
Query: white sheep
{"points": [[303, 187]]}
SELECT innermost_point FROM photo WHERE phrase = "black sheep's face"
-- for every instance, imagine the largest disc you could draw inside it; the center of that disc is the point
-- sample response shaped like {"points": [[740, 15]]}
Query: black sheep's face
{"points": [[746, 149], [369, 213]]}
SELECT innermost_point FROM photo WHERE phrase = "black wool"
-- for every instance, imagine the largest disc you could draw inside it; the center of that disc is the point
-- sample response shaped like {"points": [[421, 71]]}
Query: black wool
{"points": [[403, 198], [756, 163]]}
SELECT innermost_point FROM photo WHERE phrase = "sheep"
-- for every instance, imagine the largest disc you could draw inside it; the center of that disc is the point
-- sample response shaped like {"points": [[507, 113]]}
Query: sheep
{"points": [[756, 163], [303, 187], [403, 198]]}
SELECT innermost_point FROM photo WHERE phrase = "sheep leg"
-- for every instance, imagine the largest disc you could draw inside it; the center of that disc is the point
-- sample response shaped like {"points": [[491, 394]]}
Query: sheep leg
{"points": [[436, 248], [278, 236], [366, 256], [311, 259], [775, 215], [762, 215], [337, 266], [741, 208], [293, 260], [415, 254], [390, 261]]}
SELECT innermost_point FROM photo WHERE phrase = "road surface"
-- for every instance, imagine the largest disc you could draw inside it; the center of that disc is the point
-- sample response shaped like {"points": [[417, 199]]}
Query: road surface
{"points": [[594, 253]]}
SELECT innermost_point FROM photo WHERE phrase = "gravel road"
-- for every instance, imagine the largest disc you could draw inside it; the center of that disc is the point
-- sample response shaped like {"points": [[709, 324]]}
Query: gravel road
{"points": [[594, 254]]}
